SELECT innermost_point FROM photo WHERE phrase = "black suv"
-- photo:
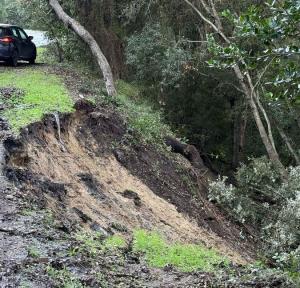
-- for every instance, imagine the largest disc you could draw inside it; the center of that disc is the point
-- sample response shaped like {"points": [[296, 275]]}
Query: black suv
{"points": [[16, 45]]}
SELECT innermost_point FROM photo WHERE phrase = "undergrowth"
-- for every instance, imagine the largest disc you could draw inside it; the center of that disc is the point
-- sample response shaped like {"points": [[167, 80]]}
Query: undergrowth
{"points": [[41, 52], [142, 117], [64, 278], [186, 258], [94, 244], [42, 93], [158, 253]]}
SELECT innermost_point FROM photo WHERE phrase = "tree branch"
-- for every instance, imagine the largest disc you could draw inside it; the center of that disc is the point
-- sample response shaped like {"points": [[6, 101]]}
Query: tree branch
{"points": [[211, 24]]}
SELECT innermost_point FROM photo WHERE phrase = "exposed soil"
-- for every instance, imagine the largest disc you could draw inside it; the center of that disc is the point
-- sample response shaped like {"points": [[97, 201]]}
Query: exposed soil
{"points": [[82, 171]]}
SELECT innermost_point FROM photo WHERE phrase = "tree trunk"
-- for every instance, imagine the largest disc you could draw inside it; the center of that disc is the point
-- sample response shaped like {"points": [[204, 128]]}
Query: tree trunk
{"points": [[89, 39], [60, 54], [239, 129], [287, 142], [250, 96]]}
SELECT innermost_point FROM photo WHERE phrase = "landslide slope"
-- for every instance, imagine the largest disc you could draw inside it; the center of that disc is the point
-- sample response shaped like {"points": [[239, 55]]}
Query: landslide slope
{"points": [[88, 171]]}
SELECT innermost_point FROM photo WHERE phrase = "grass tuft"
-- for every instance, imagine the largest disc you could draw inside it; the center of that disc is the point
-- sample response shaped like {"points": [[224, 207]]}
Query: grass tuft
{"points": [[186, 258], [33, 252], [115, 242], [94, 244]]}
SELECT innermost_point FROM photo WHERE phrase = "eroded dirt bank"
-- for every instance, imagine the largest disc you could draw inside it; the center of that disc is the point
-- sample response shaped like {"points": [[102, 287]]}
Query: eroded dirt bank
{"points": [[90, 170], [83, 171]]}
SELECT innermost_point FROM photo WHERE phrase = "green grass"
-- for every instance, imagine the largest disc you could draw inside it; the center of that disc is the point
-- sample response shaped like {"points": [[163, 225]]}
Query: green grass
{"points": [[33, 252], [93, 244], [185, 257], [115, 242], [142, 117], [43, 93], [41, 51]]}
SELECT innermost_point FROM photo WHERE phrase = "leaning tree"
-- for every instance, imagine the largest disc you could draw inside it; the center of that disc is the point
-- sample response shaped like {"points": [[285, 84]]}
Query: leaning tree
{"points": [[90, 41]]}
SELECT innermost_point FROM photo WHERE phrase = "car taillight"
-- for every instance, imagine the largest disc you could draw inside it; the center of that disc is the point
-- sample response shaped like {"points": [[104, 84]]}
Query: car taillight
{"points": [[6, 40]]}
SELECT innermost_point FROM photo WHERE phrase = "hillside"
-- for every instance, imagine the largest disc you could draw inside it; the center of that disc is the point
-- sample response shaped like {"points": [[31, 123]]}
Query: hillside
{"points": [[80, 189]]}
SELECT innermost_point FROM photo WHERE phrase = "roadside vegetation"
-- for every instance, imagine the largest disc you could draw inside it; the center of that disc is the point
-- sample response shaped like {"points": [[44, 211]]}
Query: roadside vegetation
{"points": [[28, 94], [155, 250], [142, 117], [151, 248]]}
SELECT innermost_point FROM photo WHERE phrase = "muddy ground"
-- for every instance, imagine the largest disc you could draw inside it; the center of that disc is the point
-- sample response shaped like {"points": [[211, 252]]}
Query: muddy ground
{"points": [[82, 171], [89, 166]]}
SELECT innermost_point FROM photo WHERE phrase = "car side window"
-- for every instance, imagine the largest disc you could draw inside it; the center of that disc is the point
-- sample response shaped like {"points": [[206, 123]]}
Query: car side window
{"points": [[23, 35], [15, 33]]}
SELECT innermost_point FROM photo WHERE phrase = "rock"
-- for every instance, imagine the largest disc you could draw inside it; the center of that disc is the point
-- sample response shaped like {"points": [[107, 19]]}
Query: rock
{"points": [[132, 195], [120, 156], [10, 197]]}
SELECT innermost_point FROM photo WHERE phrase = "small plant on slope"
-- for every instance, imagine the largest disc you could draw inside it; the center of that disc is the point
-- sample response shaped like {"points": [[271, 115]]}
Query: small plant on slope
{"points": [[188, 257]]}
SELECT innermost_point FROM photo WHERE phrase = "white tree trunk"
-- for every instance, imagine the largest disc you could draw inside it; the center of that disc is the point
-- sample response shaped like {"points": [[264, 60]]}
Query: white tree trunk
{"points": [[89, 39], [272, 153]]}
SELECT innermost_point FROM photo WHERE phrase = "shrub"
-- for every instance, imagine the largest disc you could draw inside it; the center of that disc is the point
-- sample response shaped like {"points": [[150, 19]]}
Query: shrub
{"points": [[262, 200]]}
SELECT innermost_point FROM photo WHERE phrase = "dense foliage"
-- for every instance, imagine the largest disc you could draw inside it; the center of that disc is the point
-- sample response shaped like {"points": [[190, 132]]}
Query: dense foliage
{"points": [[260, 200]]}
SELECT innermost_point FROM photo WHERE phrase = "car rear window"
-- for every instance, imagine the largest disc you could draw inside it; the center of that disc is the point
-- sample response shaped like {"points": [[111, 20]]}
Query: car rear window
{"points": [[3, 32]]}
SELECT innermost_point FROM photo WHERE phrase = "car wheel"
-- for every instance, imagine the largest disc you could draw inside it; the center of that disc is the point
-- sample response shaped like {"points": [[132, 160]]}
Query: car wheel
{"points": [[13, 61], [32, 61]]}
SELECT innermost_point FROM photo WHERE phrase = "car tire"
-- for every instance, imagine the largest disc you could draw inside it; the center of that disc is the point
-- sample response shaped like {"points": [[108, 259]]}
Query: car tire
{"points": [[31, 61], [13, 61]]}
